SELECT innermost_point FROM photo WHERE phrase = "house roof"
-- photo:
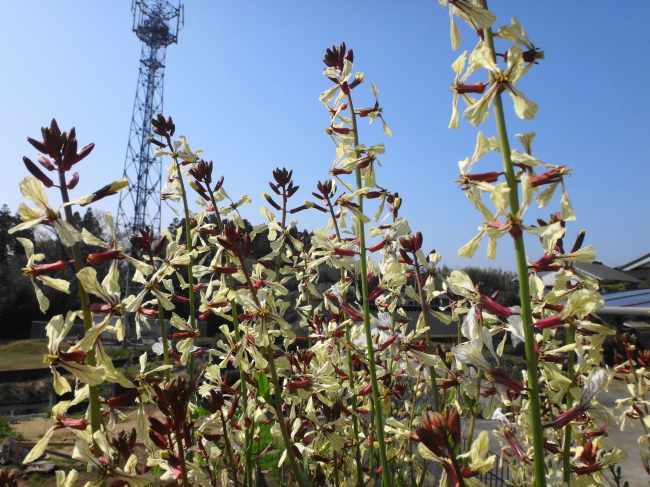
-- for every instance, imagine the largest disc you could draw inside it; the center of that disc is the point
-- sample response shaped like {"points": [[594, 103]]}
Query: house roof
{"points": [[631, 299], [602, 272], [636, 263], [637, 325]]}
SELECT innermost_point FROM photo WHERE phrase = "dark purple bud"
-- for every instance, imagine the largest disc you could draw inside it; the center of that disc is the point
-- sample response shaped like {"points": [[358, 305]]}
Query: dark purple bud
{"points": [[45, 162], [37, 173], [72, 183], [39, 145]]}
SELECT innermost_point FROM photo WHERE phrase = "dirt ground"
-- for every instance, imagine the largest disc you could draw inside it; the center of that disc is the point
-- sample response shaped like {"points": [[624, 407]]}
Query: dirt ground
{"points": [[632, 468], [32, 429]]}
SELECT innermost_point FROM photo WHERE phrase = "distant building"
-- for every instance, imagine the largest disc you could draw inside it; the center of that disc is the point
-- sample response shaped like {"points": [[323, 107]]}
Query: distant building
{"points": [[596, 270], [638, 268]]}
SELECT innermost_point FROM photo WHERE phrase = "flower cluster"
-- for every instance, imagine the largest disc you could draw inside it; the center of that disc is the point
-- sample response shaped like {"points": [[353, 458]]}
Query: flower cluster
{"points": [[351, 387]]}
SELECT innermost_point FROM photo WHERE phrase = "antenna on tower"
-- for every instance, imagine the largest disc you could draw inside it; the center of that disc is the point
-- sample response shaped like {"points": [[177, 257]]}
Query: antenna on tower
{"points": [[156, 23]]}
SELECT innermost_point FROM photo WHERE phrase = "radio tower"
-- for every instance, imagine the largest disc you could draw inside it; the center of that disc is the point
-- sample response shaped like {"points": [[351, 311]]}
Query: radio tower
{"points": [[156, 23]]}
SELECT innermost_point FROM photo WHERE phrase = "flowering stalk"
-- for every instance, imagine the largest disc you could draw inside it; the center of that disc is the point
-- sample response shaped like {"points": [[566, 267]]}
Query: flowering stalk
{"points": [[163, 327], [351, 381], [522, 271], [248, 474], [231, 458], [379, 420], [566, 453], [425, 308], [181, 454], [472, 421], [348, 349], [188, 237], [78, 262], [279, 413]]}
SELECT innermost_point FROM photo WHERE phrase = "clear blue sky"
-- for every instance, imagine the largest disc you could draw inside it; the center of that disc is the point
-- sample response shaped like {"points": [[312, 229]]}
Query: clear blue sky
{"points": [[243, 85]]}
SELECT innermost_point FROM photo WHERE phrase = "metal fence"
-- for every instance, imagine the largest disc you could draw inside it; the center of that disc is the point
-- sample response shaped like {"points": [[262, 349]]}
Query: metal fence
{"points": [[498, 476]]}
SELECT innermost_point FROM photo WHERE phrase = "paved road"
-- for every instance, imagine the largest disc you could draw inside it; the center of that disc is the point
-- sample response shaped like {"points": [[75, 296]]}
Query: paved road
{"points": [[633, 470]]}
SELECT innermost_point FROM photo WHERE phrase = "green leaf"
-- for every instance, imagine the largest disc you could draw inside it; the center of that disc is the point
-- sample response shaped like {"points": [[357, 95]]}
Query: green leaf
{"points": [[470, 401], [263, 383]]}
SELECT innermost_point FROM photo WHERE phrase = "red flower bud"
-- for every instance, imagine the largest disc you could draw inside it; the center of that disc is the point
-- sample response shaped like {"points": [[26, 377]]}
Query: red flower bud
{"points": [[477, 88], [37, 173], [377, 246], [45, 162], [147, 311], [41, 269], [344, 252], [73, 181], [300, 384], [100, 308], [182, 335], [104, 256], [117, 401], [157, 439], [554, 321], [77, 356], [453, 424], [76, 424]]}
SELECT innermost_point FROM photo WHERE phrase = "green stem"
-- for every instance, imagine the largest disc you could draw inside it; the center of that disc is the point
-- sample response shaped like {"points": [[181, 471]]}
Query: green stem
{"points": [[524, 291], [355, 414], [165, 341], [95, 411], [425, 308], [423, 474], [280, 416], [454, 462], [248, 434], [308, 304], [566, 449], [181, 453], [278, 260], [231, 458], [472, 421], [163, 328], [188, 233], [279, 413], [336, 470], [379, 420]]}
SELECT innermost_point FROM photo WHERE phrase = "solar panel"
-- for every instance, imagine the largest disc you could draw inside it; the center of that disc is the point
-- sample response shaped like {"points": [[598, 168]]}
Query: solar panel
{"points": [[628, 298], [622, 294]]}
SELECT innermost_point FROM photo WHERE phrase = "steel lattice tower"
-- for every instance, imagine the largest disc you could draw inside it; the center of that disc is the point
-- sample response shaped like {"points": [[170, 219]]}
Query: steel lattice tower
{"points": [[156, 23]]}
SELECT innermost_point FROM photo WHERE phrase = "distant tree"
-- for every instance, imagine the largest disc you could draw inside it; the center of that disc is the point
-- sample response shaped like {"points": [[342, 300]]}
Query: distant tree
{"points": [[493, 280], [18, 305], [9, 245]]}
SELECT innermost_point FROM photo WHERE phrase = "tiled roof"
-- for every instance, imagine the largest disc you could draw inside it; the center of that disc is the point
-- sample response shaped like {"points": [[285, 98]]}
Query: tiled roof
{"points": [[437, 327], [638, 262], [602, 272]]}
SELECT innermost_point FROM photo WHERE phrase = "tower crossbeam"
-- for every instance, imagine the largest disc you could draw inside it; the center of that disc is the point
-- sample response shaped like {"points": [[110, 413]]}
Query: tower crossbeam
{"points": [[156, 23]]}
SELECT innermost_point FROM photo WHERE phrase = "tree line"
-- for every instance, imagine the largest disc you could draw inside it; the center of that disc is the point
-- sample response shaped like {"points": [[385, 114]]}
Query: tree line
{"points": [[18, 305]]}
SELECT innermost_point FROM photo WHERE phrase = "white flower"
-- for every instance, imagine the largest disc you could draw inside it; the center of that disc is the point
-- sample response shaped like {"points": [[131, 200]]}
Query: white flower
{"points": [[506, 80], [34, 190]]}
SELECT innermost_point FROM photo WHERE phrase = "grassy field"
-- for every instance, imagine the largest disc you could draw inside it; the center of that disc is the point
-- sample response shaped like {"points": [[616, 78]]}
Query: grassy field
{"points": [[28, 354], [23, 354]]}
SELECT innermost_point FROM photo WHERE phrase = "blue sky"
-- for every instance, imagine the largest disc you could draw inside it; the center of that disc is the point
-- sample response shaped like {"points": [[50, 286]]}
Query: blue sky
{"points": [[243, 85]]}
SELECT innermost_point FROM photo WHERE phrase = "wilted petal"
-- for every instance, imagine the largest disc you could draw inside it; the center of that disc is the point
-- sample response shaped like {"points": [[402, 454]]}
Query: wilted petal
{"points": [[39, 448]]}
